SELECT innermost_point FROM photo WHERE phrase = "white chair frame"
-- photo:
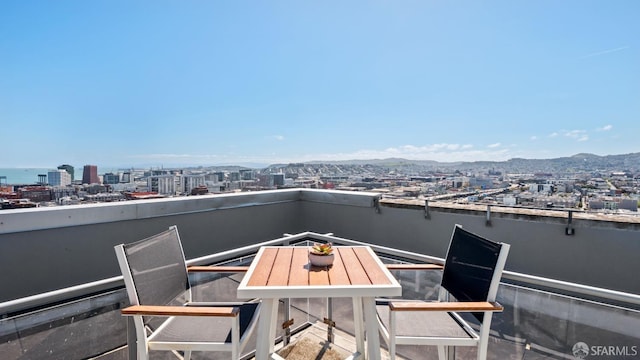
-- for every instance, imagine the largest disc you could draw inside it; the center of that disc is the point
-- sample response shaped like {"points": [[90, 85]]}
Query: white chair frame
{"points": [[479, 339], [146, 339]]}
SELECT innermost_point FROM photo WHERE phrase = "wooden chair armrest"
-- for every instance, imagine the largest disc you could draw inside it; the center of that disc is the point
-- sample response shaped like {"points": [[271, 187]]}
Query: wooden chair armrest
{"points": [[464, 306], [158, 310], [414, 266], [235, 269]]}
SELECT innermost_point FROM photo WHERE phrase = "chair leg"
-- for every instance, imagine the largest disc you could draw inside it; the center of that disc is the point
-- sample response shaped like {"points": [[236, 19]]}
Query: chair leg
{"points": [[392, 335], [141, 345], [187, 355], [392, 349], [143, 352], [484, 337], [442, 352]]}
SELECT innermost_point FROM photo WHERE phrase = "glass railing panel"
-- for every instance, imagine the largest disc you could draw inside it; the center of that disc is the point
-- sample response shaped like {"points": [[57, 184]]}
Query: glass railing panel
{"points": [[218, 286], [75, 330], [536, 324], [557, 326], [419, 284]]}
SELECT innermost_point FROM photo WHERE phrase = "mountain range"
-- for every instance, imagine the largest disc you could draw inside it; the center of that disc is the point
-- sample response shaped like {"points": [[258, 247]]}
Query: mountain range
{"points": [[577, 163]]}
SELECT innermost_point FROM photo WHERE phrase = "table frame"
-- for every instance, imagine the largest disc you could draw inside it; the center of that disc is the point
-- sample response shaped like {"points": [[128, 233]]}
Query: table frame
{"points": [[279, 272]]}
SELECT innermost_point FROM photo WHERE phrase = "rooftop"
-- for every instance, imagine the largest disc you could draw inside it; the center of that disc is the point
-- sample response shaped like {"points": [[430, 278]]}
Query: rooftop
{"points": [[63, 293]]}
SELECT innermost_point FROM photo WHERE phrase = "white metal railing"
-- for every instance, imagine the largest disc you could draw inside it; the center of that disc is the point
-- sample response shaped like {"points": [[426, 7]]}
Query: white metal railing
{"points": [[117, 281], [114, 282], [593, 291]]}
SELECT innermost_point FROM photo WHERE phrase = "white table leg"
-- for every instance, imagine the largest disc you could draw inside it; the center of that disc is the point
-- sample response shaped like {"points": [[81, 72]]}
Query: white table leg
{"points": [[266, 328], [371, 324], [358, 322], [273, 322]]}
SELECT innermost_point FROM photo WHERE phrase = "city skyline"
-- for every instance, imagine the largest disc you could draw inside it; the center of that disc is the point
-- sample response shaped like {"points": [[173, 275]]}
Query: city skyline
{"points": [[123, 84]]}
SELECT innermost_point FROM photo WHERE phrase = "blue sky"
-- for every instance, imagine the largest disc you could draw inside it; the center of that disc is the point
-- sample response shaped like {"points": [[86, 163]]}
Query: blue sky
{"points": [[127, 83]]}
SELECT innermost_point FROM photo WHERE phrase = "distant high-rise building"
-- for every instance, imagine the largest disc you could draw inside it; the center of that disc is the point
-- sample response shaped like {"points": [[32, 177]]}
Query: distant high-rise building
{"points": [[59, 178], [35, 193], [216, 176], [67, 168], [90, 175], [278, 179], [162, 184], [111, 178], [247, 174], [190, 182]]}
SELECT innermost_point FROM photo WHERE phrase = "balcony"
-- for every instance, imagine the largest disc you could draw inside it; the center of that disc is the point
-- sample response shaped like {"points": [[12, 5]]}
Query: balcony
{"points": [[570, 277]]}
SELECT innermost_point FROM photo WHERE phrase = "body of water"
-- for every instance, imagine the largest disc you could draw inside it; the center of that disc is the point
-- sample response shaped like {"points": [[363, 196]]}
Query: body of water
{"points": [[22, 176], [17, 176]]}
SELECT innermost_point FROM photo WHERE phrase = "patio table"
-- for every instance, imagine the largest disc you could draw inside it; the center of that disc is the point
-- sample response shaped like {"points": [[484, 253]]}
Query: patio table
{"points": [[284, 272]]}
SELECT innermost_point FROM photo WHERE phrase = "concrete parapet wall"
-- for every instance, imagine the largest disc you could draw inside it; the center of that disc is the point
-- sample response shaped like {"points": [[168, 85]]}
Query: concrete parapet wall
{"points": [[45, 249], [593, 249]]}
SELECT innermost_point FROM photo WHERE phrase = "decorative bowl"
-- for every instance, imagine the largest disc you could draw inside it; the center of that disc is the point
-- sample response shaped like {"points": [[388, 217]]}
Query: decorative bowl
{"points": [[321, 260]]}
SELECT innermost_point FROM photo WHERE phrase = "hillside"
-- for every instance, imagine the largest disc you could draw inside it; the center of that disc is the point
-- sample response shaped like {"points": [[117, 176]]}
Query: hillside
{"points": [[375, 167]]}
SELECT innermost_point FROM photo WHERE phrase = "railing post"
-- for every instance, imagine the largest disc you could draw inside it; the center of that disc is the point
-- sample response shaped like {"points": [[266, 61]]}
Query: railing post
{"points": [[488, 221], [329, 320], [569, 230], [286, 241], [286, 325], [426, 209]]}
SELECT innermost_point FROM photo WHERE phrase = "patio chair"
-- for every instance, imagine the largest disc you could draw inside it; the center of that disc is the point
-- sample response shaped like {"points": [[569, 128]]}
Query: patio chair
{"points": [[165, 318], [471, 274]]}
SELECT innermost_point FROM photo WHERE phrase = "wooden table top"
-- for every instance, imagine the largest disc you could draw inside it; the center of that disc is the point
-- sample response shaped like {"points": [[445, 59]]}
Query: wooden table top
{"points": [[289, 266], [285, 272]]}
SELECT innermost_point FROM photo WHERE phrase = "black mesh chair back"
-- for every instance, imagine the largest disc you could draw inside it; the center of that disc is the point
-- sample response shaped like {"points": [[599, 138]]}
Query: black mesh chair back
{"points": [[469, 267], [158, 269], [471, 275]]}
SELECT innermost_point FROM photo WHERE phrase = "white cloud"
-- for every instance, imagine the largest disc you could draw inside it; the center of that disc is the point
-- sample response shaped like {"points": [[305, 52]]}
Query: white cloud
{"points": [[533, 138], [170, 156], [276, 137], [603, 52], [578, 135], [443, 152], [439, 152], [575, 134], [605, 128]]}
